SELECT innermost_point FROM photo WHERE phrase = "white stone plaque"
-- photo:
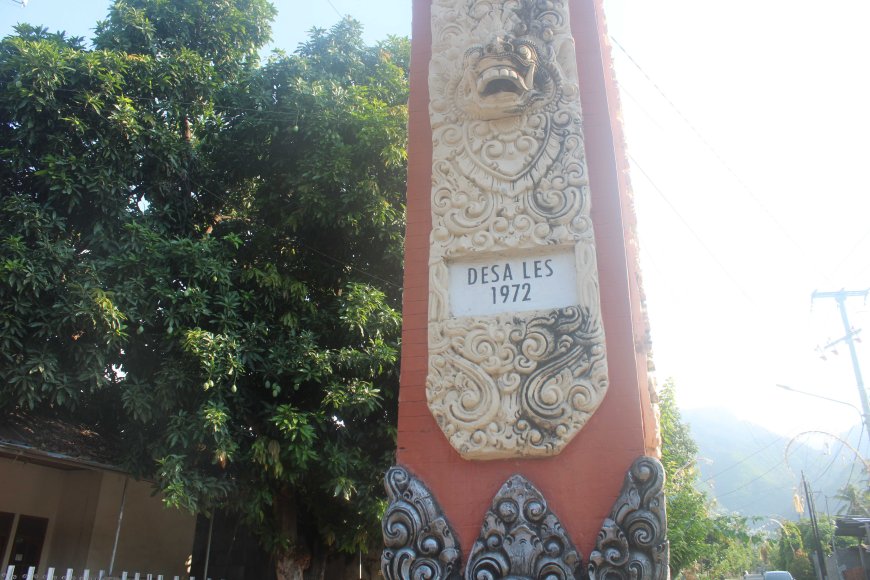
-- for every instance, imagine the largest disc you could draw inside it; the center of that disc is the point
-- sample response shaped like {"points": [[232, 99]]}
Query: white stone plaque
{"points": [[500, 284]]}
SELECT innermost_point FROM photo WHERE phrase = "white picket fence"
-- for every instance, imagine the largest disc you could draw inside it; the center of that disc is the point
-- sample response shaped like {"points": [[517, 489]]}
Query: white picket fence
{"points": [[53, 574]]}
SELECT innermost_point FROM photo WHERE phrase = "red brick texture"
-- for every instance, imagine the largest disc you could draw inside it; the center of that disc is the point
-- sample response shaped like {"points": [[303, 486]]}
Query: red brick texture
{"points": [[582, 482]]}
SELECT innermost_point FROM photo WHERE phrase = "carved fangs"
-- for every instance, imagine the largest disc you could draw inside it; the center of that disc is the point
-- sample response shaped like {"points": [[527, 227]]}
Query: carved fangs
{"points": [[501, 79]]}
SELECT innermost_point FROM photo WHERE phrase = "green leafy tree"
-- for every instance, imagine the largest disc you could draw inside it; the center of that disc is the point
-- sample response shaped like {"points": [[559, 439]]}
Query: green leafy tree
{"points": [[855, 499], [711, 545], [688, 524], [732, 548], [797, 542], [202, 253], [794, 546]]}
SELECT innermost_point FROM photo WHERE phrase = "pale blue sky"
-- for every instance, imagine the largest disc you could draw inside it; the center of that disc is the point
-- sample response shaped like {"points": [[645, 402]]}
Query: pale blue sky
{"points": [[294, 20], [749, 177]]}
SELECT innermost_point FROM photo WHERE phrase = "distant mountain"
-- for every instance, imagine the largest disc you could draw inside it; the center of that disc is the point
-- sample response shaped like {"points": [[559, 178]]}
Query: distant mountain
{"points": [[744, 467]]}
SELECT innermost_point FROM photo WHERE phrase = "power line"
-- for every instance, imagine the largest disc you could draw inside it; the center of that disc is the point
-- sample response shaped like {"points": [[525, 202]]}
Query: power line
{"points": [[824, 471], [340, 15], [692, 231], [744, 460], [848, 254], [751, 481], [852, 468], [707, 144]]}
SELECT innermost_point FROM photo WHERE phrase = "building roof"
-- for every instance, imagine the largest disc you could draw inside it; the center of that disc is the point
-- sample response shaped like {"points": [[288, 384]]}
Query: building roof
{"points": [[853, 526], [57, 442]]}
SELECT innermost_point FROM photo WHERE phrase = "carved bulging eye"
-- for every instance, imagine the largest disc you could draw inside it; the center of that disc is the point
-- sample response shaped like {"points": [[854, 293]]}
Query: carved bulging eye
{"points": [[524, 52]]}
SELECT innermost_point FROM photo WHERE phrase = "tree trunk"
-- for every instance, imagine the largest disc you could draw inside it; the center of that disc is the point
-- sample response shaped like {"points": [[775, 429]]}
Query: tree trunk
{"points": [[289, 566]]}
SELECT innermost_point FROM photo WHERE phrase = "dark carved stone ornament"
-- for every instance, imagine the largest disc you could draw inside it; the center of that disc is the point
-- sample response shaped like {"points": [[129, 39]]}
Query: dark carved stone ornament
{"points": [[418, 541], [522, 538], [632, 543]]}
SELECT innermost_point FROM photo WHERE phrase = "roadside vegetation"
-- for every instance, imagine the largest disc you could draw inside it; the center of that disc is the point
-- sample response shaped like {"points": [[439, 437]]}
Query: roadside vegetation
{"points": [[201, 257]]}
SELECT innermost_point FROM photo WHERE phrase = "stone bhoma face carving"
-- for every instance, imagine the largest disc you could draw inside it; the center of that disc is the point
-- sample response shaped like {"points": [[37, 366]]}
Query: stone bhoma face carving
{"points": [[518, 372]]}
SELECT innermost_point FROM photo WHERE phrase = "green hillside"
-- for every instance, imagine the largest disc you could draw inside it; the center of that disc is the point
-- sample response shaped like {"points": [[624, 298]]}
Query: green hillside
{"points": [[744, 467]]}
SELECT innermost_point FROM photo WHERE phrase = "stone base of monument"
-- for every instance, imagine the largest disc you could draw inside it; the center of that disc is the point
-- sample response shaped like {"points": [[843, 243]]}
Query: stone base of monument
{"points": [[521, 537]]}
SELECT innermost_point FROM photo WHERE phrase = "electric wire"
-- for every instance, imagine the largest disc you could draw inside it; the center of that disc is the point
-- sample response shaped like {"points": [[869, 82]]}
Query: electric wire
{"points": [[848, 255], [745, 459], [290, 114], [340, 15], [751, 481], [691, 230], [852, 468], [824, 471], [712, 254], [724, 164], [712, 150]]}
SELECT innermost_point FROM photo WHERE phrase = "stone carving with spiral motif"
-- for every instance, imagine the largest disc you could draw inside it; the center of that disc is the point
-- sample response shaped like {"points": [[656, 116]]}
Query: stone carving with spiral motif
{"points": [[509, 186]]}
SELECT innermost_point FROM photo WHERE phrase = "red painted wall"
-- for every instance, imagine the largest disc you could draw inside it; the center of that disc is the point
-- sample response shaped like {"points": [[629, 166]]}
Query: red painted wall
{"points": [[583, 481]]}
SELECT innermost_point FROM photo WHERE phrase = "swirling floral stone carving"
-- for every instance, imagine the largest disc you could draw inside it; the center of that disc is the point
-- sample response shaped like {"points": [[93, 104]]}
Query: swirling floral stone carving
{"points": [[521, 538], [418, 541], [521, 387], [509, 181], [632, 543]]}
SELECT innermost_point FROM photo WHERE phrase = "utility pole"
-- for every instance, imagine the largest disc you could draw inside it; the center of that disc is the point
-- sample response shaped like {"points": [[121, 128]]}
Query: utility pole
{"points": [[811, 508], [840, 296]]}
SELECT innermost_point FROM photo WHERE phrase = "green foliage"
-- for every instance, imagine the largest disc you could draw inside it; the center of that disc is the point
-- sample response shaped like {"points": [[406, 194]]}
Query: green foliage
{"points": [[732, 548], [797, 542], [711, 545], [203, 255], [225, 34], [687, 507], [855, 498]]}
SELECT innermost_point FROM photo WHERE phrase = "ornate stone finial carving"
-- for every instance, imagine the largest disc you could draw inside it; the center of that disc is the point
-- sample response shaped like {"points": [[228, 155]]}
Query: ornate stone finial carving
{"points": [[515, 370], [632, 543], [419, 544], [522, 538]]}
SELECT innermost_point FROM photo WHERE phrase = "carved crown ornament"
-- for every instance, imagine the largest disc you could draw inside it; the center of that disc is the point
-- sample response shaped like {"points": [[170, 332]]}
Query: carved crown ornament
{"points": [[517, 359], [521, 538]]}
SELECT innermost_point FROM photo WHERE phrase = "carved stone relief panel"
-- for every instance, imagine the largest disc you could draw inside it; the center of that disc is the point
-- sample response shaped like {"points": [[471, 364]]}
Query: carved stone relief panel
{"points": [[522, 538], [418, 541], [632, 543], [516, 346]]}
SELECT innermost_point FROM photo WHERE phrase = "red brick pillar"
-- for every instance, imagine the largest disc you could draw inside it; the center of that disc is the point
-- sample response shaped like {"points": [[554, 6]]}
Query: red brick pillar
{"points": [[582, 482]]}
